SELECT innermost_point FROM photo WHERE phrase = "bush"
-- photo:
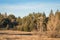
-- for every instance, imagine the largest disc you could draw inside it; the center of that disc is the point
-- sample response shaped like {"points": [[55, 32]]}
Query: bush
{"points": [[55, 35]]}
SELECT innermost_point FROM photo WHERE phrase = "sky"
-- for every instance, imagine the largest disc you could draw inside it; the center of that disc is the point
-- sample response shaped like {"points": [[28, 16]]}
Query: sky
{"points": [[24, 7]]}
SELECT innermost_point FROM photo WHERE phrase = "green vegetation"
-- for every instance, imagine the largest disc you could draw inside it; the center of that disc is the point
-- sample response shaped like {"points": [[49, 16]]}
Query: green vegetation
{"points": [[30, 22]]}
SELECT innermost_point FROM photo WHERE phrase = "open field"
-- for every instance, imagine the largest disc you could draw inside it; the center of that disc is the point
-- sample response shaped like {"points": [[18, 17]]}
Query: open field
{"points": [[17, 35]]}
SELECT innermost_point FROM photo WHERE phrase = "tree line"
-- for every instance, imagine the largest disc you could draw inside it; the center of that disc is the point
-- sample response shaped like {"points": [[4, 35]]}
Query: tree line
{"points": [[31, 22]]}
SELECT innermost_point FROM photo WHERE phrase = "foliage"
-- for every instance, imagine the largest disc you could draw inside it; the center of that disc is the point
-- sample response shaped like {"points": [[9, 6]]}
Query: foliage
{"points": [[29, 22]]}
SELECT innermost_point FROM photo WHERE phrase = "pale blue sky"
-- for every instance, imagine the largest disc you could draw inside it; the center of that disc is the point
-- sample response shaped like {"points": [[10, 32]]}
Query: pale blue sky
{"points": [[24, 7]]}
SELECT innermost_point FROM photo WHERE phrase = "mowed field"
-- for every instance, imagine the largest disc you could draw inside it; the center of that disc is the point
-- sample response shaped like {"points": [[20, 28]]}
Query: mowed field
{"points": [[18, 35]]}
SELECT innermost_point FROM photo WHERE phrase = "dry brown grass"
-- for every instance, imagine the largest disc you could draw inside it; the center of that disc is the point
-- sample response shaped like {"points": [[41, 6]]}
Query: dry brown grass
{"points": [[12, 36]]}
